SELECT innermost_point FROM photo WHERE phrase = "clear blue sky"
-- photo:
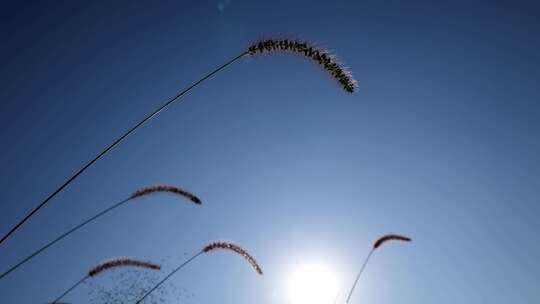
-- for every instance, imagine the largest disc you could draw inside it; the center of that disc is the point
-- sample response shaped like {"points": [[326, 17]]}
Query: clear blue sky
{"points": [[440, 143]]}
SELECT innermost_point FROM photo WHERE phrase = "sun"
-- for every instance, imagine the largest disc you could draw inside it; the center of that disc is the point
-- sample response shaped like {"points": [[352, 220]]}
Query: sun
{"points": [[312, 284]]}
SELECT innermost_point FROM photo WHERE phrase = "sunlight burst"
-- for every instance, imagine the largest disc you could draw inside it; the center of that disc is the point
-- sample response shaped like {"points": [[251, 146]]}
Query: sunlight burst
{"points": [[312, 284]]}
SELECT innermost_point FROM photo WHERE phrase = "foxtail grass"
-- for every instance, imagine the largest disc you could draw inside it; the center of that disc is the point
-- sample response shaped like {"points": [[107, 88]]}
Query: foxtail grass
{"points": [[136, 195], [376, 245], [322, 57], [207, 249], [106, 266]]}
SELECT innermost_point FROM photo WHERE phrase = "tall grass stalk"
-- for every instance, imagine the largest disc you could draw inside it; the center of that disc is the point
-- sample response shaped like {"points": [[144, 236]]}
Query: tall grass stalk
{"points": [[376, 245], [322, 57]]}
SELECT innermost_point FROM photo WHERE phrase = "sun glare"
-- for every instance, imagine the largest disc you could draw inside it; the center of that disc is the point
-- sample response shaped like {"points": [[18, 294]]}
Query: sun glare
{"points": [[312, 284]]}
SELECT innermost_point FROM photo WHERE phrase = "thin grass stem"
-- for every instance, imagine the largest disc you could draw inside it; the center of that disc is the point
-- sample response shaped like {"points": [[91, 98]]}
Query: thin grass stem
{"points": [[69, 289], [359, 274]]}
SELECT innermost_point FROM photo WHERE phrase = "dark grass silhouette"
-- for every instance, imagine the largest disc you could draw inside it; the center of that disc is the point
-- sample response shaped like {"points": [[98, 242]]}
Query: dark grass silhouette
{"points": [[224, 245], [326, 60], [390, 237], [207, 249], [167, 189], [137, 194], [376, 245], [109, 265]]}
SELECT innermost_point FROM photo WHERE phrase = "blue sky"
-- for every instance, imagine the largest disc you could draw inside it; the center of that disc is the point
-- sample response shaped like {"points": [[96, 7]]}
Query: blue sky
{"points": [[440, 143]]}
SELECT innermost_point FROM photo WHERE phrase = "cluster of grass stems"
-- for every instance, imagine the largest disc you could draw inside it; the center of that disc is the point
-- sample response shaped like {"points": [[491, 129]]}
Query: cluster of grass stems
{"points": [[137, 194], [323, 58], [130, 262]]}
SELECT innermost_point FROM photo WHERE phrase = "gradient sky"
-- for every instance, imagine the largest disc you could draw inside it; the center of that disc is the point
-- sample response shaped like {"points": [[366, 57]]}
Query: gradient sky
{"points": [[440, 143]]}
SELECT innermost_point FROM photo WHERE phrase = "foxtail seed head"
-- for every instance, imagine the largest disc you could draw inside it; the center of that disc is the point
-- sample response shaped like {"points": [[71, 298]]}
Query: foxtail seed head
{"points": [[322, 57], [236, 249], [390, 237], [121, 262], [167, 188]]}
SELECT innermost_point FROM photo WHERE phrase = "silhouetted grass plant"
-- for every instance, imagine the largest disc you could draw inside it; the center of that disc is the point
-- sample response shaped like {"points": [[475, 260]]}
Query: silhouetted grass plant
{"points": [[224, 245], [380, 241], [137, 194], [322, 57], [269, 46]]}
